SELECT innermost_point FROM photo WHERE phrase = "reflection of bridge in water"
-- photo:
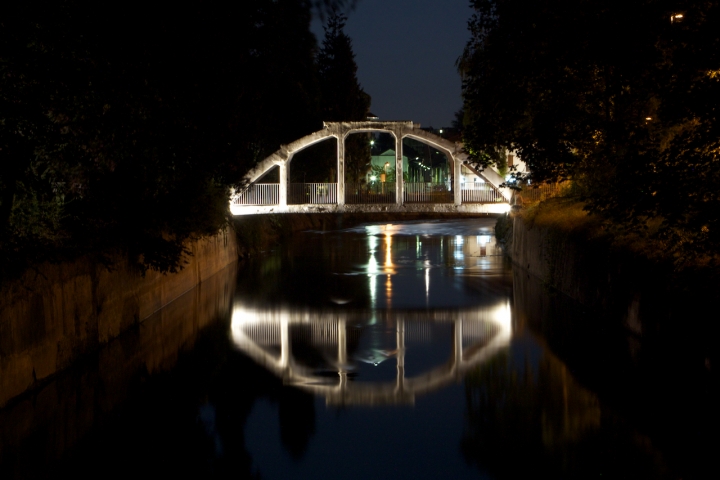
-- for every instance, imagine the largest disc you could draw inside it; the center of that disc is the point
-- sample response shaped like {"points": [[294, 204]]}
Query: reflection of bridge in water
{"points": [[267, 337]]}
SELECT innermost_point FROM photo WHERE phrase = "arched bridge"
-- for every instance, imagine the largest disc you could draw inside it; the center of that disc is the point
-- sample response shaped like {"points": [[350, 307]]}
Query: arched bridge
{"points": [[451, 196]]}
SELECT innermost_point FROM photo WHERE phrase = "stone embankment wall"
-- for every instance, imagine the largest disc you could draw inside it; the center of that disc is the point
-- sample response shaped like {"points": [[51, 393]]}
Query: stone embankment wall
{"points": [[56, 313], [591, 271], [63, 411], [649, 299]]}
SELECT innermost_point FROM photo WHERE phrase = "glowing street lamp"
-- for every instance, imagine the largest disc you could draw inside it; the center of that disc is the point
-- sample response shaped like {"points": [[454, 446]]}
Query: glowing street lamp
{"points": [[676, 17]]}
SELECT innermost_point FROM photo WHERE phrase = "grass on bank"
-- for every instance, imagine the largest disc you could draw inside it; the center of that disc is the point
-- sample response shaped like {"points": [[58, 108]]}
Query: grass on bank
{"points": [[568, 214]]}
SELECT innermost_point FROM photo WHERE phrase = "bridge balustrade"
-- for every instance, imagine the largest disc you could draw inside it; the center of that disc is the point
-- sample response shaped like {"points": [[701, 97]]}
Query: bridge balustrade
{"points": [[427, 193], [539, 192], [312, 193], [369, 193], [480, 193], [259, 194]]}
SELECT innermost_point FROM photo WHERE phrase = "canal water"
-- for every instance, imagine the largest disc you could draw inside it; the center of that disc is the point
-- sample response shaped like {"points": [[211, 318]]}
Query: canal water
{"points": [[402, 350]]}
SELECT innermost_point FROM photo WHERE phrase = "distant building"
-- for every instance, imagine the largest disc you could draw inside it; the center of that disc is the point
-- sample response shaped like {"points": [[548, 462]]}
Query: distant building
{"points": [[513, 160], [377, 162]]}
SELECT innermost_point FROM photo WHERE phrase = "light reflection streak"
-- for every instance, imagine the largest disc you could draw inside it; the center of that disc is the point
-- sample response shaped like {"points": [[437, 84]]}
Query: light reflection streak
{"points": [[389, 266], [427, 280], [458, 252], [372, 269], [388, 253]]}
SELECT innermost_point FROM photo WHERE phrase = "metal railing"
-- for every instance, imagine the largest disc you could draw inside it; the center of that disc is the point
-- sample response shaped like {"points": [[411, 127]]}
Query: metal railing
{"points": [[427, 193], [369, 193], [480, 193], [537, 193], [258, 194], [312, 193]]}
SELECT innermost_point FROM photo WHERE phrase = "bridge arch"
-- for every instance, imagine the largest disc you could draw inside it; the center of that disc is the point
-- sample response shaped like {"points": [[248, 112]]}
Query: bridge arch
{"points": [[282, 158]]}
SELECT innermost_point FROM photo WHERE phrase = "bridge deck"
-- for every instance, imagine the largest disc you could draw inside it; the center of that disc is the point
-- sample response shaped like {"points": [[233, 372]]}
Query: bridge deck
{"points": [[469, 208]]}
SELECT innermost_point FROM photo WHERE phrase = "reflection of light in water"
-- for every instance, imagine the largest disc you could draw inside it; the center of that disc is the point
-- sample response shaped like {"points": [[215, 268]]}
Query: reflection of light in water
{"points": [[372, 268], [427, 279], [502, 315], [458, 251], [372, 244], [480, 334], [388, 267], [418, 245]]}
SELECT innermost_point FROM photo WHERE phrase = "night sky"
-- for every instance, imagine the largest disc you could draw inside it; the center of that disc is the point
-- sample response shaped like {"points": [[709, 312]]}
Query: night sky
{"points": [[406, 52]]}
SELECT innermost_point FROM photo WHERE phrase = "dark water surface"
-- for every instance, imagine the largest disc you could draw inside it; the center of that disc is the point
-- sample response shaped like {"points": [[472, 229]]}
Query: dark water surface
{"points": [[405, 350]]}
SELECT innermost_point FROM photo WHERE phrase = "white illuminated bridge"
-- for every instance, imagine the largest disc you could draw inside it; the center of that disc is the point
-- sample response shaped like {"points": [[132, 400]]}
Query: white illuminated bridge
{"points": [[451, 197], [265, 335]]}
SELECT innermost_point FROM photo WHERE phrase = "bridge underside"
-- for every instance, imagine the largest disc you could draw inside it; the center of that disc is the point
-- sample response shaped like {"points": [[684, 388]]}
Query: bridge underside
{"points": [[471, 208]]}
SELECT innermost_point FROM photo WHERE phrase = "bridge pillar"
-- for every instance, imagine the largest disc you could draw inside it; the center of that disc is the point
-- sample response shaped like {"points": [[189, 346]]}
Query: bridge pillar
{"points": [[341, 168], [457, 176], [399, 183], [282, 200]]}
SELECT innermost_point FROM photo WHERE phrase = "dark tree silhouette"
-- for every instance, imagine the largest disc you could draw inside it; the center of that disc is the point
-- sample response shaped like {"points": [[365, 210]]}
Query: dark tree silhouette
{"points": [[342, 97], [616, 96], [123, 124]]}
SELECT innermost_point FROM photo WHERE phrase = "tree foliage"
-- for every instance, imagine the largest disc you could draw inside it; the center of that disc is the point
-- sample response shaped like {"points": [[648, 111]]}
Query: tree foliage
{"points": [[342, 97], [123, 124], [617, 96]]}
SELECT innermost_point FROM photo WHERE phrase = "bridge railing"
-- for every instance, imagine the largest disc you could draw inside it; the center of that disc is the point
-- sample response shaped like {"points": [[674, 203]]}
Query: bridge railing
{"points": [[480, 193], [539, 192], [369, 193], [258, 194], [428, 193], [312, 193]]}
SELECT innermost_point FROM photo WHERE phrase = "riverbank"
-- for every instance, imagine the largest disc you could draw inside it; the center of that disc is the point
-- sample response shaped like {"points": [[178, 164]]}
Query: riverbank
{"points": [[622, 279], [57, 313]]}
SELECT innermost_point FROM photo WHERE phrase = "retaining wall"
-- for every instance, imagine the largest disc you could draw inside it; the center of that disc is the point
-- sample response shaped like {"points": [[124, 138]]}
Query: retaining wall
{"points": [[58, 312], [648, 298]]}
